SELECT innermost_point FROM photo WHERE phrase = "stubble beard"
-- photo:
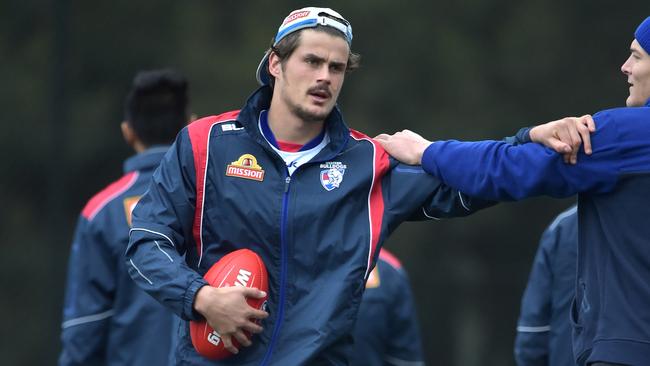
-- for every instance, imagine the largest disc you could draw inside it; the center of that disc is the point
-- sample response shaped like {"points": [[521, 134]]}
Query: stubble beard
{"points": [[303, 113], [307, 116]]}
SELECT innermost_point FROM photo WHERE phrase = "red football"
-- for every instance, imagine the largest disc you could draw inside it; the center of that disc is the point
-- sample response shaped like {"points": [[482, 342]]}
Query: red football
{"points": [[242, 267]]}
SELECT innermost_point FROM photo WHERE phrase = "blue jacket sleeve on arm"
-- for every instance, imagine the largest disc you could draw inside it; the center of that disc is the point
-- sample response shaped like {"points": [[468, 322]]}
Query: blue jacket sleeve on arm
{"points": [[162, 231], [88, 304], [500, 171], [412, 194]]}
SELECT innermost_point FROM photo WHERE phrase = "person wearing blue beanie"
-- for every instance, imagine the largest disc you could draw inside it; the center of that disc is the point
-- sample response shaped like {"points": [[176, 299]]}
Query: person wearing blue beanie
{"points": [[642, 34], [636, 69], [610, 312]]}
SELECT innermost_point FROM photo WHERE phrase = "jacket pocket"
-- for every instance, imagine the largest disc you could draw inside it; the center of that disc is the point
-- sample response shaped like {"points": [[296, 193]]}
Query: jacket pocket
{"points": [[576, 310], [574, 315]]}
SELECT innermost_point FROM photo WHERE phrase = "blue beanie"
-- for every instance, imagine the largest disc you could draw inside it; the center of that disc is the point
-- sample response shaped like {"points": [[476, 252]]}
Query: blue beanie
{"points": [[642, 34]]}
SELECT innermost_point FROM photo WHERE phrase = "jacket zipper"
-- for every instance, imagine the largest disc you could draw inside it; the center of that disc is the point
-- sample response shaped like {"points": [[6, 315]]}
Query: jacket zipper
{"points": [[283, 270], [283, 259]]}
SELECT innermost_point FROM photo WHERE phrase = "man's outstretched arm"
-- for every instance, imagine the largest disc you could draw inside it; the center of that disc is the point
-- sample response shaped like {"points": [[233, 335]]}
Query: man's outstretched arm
{"points": [[565, 136], [500, 171]]}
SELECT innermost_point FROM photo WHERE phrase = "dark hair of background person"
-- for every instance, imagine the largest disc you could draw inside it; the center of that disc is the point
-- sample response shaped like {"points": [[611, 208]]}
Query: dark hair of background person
{"points": [[157, 106]]}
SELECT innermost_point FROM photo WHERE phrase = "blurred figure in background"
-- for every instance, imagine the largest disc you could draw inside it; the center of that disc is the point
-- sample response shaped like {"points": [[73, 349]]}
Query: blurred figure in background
{"points": [[386, 331], [544, 329], [107, 319]]}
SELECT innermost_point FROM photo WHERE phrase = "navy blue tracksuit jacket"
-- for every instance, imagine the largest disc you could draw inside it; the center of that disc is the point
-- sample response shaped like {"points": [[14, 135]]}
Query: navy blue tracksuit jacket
{"points": [[107, 319], [544, 330], [222, 187], [611, 311], [387, 330]]}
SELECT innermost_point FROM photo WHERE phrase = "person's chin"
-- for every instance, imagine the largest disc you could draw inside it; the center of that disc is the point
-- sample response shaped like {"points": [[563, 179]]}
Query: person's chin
{"points": [[633, 102], [320, 109], [314, 113], [629, 101]]}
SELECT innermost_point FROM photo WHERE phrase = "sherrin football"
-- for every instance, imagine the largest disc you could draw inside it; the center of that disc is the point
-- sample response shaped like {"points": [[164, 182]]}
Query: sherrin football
{"points": [[241, 267]]}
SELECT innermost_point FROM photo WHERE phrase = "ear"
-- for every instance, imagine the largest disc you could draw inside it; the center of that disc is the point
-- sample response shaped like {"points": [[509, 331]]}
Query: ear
{"points": [[127, 133], [275, 66]]}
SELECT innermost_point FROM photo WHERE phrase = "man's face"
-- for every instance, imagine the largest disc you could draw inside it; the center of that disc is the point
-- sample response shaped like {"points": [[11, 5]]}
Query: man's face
{"points": [[311, 78], [637, 69]]}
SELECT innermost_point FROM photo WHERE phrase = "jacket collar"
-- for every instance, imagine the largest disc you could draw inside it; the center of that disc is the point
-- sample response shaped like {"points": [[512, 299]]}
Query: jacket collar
{"points": [[148, 159], [261, 100]]}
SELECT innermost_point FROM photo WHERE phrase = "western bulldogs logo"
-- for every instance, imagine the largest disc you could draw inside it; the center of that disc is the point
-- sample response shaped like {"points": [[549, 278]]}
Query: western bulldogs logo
{"points": [[332, 175]]}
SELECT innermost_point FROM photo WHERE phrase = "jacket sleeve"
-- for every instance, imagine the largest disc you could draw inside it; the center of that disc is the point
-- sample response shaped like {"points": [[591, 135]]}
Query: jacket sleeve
{"points": [[500, 171], [89, 297], [521, 137], [412, 194], [162, 232], [533, 326], [406, 185], [405, 344]]}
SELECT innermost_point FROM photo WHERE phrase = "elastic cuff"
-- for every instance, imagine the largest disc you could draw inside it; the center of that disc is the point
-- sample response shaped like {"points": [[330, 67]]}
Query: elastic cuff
{"points": [[521, 137], [190, 294], [428, 159]]}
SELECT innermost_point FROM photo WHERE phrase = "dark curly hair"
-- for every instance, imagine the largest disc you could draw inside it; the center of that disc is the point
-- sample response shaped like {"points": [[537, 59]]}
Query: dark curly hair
{"points": [[157, 106]]}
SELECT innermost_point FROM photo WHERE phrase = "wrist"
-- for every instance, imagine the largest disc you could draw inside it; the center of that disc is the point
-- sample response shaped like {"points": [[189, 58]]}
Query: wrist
{"points": [[427, 160], [533, 134], [189, 312], [200, 299], [423, 149]]}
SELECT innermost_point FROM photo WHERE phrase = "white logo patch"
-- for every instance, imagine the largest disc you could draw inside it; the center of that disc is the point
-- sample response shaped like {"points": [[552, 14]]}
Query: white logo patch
{"points": [[230, 127], [214, 338]]}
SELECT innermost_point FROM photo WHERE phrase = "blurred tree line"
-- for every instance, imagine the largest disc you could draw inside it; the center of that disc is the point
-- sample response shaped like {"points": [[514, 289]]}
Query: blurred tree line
{"points": [[465, 69]]}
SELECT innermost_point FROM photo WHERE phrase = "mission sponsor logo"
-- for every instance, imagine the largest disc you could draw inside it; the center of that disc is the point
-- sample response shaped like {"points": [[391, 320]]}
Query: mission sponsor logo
{"points": [[245, 167]]}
